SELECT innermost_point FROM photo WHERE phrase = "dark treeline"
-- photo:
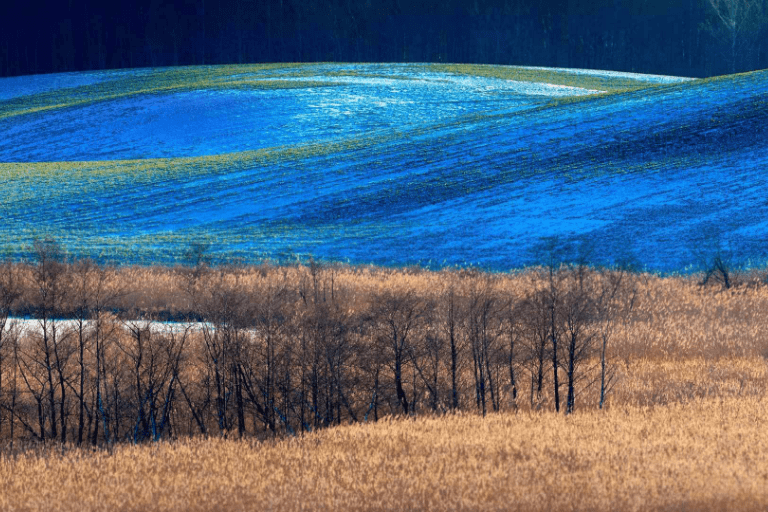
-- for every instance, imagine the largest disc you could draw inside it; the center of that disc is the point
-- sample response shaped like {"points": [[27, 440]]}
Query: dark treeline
{"points": [[281, 350], [681, 37]]}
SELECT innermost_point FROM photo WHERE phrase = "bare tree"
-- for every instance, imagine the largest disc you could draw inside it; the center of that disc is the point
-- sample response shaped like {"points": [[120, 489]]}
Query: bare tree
{"points": [[155, 353], [537, 325], [738, 24], [221, 300], [578, 312], [719, 269], [171, 347], [617, 297], [553, 276], [483, 330], [515, 331], [270, 323], [10, 291], [453, 345], [79, 310], [103, 290], [427, 357], [139, 349], [49, 283], [717, 258], [397, 316]]}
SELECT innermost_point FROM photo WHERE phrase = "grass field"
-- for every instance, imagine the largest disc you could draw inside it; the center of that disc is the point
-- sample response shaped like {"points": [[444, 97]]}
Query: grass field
{"points": [[704, 455], [683, 427]]}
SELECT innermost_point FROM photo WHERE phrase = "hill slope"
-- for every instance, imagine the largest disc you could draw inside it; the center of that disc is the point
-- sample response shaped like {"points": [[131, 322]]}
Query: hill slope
{"points": [[386, 164]]}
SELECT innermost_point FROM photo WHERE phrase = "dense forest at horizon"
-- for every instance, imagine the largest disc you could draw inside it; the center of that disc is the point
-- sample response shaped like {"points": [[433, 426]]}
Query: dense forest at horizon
{"points": [[685, 37]]}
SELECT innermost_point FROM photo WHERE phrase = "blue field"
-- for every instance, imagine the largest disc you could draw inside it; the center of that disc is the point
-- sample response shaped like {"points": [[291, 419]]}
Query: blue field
{"points": [[385, 164]]}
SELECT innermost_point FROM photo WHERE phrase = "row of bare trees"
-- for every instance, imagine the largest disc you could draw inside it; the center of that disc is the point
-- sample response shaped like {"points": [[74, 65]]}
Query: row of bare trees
{"points": [[280, 350]]}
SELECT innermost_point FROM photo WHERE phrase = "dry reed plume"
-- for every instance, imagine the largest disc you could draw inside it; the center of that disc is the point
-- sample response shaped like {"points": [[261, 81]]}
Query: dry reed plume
{"points": [[308, 358], [704, 455]]}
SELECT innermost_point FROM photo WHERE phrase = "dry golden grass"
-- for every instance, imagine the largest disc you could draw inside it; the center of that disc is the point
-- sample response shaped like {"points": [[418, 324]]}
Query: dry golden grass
{"points": [[659, 383], [704, 455], [684, 427], [674, 318]]}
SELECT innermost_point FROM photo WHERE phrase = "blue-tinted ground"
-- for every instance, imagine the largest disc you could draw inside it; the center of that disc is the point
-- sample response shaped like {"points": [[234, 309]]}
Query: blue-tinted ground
{"points": [[435, 170]]}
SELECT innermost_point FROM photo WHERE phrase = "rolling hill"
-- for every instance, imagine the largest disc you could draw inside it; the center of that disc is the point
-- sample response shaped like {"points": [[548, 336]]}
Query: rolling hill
{"points": [[386, 164]]}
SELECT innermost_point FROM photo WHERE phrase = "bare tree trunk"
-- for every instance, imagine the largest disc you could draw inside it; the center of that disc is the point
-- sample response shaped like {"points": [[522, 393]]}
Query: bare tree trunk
{"points": [[239, 403], [553, 336], [81, 383], [555, 365], [49, 372], [15, 389], [571, 374], [454, 349], [540, 368], [376, 397], [602, 370], [399, 383], [62, 384], [511, 363], [487, 357]]}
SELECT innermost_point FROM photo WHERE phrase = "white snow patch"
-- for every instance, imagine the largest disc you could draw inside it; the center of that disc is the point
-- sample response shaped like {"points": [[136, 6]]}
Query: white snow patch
{"points": [[642, 77], [31, 326], [448, 81]]}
